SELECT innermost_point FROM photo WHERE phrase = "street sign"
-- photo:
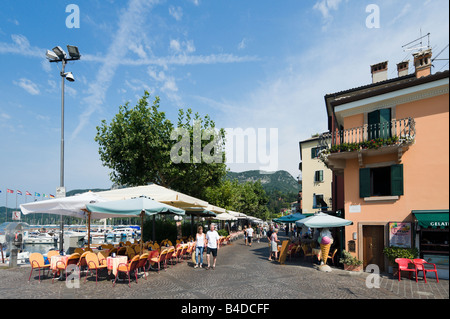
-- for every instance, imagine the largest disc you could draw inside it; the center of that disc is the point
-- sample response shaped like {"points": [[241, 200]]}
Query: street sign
{"points": [[16, 215]]}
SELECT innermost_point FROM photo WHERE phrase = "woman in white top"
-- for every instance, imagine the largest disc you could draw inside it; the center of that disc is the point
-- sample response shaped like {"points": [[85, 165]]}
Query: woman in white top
{"points": [[199, 246]]}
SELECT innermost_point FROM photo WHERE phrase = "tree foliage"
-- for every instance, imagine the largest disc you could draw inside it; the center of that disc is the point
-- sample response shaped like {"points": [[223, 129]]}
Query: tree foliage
{"points": [[138, 147]]}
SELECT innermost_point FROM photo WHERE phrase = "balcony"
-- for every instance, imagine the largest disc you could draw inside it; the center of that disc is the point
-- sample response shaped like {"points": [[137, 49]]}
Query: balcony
{"points": [[368, 140]]}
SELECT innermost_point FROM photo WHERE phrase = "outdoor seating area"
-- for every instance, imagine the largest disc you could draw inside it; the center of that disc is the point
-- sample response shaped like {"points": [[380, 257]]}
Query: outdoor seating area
{"points": [[415, 266], [110, 261]]}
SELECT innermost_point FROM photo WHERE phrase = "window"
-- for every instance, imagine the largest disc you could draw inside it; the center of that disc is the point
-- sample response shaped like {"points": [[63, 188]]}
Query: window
{"points": [[318, 176], [381, 181], [315, 151], [318, 201], [379, 124]]}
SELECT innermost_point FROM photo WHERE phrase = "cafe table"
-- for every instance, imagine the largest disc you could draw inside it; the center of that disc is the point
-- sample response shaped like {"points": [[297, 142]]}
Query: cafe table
{"points": [[58, 260], [113, 263]]}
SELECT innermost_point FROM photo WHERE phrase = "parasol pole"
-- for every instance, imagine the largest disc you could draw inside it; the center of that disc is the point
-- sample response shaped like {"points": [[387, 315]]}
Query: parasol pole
{"points": [[142, 230], [89, 229]]}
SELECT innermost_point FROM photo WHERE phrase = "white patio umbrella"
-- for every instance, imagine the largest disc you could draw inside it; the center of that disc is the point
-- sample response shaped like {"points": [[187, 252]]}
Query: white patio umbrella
{"points": [[225, 216], [155, 192], [322, 220]]}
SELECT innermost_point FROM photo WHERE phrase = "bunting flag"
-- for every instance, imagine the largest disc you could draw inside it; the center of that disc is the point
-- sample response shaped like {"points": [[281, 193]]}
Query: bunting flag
{"points": [[9, 191], [27, 193], [52, 196], [19, 192], [37, 194]]}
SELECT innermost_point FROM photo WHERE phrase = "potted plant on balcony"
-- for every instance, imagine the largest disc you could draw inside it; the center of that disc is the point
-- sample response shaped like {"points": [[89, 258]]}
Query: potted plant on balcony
{"points": [[350, 263]]}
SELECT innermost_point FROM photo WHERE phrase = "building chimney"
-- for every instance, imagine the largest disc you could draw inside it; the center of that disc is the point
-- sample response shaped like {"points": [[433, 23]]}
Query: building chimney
{"points": [[402, 68], [379, 72], [422, 63]]}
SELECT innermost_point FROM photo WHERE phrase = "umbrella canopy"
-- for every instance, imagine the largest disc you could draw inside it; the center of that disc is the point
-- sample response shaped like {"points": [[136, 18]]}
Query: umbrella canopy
{"points": [[67, 206], [292, 218], [199, 211], [215, 209], [156, 192], [237, 215], [322, 220], [225, 216], [132, 207]]}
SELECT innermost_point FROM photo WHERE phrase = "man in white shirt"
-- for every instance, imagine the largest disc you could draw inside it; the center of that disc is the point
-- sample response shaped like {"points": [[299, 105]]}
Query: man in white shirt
{"points": [[212, 246], [250, 235]]}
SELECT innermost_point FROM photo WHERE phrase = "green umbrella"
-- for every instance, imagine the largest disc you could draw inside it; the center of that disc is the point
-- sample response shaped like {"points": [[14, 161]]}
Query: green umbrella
{"points": [[139, 206]]}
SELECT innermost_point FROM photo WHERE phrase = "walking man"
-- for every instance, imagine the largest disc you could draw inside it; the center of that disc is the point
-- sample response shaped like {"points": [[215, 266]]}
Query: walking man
{"points": [[212, 246], [250, 235]]}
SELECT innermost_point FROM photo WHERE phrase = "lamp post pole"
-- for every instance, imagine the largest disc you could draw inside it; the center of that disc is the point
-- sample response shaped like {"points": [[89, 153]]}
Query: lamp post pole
{"points": [[61, 173], [58, 55]]}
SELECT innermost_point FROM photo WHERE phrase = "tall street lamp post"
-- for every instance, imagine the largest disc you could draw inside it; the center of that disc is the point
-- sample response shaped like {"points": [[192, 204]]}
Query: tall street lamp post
{"points": [[58, 55]]}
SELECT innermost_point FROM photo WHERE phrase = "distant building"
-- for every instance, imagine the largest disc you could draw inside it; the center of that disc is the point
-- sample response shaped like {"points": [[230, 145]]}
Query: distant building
{"points": [[316, 178], [388, 146]]}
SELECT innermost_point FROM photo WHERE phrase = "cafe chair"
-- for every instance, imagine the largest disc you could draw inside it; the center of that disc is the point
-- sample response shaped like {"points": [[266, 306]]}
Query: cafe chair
{"points": [[37, 262], [403, 265], [420, 265], [93, 264], [52, 253], [61, 265], [170, 256], [160, 259], [82, 262], [128, 268], [307, 252], [102, 257], [142, 262]]}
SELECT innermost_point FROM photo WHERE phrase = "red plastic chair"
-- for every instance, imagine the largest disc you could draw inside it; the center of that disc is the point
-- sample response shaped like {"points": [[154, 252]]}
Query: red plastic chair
{"points": [[420, 265], [403, 265]]}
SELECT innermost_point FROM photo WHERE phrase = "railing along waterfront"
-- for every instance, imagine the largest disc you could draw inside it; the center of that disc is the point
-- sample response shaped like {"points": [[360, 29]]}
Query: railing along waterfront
{"points": [[392, 132]]}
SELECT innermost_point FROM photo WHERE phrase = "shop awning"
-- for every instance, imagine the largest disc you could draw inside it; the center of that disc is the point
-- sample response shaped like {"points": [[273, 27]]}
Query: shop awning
{"points": [[432, 218]]}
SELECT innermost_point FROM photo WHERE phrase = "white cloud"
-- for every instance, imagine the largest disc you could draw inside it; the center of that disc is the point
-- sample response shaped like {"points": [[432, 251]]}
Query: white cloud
{"points": [[28, 86], [176, 12], [325, 7], [184, 47], [243, 44]]}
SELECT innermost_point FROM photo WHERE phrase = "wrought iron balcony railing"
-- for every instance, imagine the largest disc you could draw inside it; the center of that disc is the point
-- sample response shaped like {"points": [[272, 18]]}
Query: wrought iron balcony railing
{"points": [[395, 132]]}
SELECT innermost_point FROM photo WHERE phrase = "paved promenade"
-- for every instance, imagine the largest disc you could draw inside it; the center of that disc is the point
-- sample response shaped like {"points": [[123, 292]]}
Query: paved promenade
{"points": [[241, 273]]}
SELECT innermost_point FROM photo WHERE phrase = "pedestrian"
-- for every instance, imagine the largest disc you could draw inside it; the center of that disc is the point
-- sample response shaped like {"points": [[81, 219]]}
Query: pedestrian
{"points": [[258, 232], [250, 235], [269, 233], [245, 235], [274, 243], [200, 240], [212, 246]]}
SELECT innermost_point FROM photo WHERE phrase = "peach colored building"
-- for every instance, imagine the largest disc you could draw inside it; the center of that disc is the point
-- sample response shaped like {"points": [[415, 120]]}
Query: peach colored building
{"points": [[390, 147]]}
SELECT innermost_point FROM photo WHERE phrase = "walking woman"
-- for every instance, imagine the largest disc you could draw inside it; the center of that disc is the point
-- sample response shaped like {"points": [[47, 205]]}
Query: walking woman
{"points": [[274, 244], [199, 246]]}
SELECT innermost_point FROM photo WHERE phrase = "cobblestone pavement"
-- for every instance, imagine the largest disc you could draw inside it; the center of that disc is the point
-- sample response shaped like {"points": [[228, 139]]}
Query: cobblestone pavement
{"points": [[242, 272]]}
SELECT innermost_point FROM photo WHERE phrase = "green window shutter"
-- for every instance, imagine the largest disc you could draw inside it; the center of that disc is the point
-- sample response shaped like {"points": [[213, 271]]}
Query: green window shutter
{"points": [[385, 123], [313, 152], [364, 182], [321, 176], [397, 180], [373, 119]]}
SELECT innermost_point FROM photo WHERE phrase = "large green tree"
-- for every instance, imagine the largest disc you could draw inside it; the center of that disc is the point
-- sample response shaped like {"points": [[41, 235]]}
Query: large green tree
{"points": [[141, 146]]}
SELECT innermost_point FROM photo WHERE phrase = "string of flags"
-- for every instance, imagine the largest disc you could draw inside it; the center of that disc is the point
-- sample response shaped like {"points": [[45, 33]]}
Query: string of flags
{"points": [[27, 193]]}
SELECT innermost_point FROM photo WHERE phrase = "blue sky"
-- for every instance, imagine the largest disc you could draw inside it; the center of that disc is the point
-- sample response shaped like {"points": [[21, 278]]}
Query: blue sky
{"points": [[248, 64]]}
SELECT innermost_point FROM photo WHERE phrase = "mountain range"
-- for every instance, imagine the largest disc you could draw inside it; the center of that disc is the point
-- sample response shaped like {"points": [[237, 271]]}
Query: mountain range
{"points": [[271, 181]]}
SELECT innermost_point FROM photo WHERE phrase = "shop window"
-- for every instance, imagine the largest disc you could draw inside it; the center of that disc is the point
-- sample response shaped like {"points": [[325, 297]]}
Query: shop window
{"points": [[381, 181]]}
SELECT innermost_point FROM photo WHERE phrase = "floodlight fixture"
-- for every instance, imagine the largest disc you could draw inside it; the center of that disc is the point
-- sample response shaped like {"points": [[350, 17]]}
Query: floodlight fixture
{"points": [[51, 55], [73, 52], [59, 52], [69, 76]]}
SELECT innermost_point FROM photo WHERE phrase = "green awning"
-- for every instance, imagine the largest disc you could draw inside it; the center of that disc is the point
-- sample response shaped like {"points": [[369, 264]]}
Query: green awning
{"points": [[432, 218]]}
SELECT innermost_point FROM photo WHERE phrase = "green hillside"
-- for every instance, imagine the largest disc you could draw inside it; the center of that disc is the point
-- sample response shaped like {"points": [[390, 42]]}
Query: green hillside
{"points": [[278, 181]]}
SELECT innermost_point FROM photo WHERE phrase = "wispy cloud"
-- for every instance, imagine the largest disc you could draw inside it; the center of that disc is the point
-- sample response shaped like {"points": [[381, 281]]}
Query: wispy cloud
{"points": [[130, 32], [28, 86], [325, 7], [176, 12], [243, 44]]}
